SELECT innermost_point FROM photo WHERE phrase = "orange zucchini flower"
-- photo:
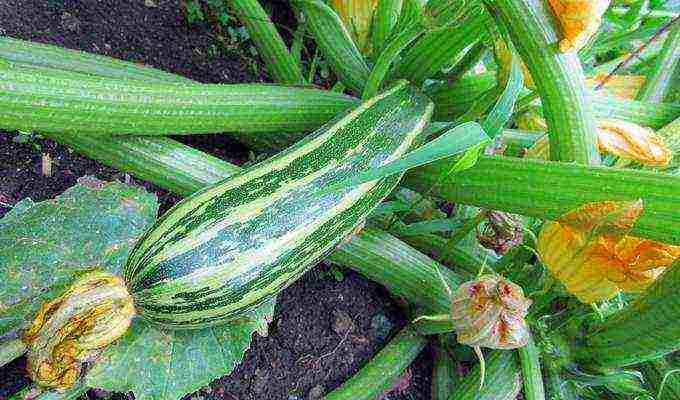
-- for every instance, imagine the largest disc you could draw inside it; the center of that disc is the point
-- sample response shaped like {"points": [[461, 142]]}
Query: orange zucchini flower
{"points": [[590, 252], [579, 20]]}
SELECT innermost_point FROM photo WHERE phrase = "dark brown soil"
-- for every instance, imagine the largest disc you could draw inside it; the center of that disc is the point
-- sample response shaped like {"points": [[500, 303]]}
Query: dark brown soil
{"points": [[305, 352]]}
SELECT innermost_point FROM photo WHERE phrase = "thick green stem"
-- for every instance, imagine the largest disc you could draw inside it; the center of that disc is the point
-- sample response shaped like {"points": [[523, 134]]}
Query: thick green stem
{"points": [[10, 350], [381, 372], [271, 47], [503, 380], [530, 360], [443, 374], [558, 77], [546, 190], [659, 82], [48, 100], [645, 330]]}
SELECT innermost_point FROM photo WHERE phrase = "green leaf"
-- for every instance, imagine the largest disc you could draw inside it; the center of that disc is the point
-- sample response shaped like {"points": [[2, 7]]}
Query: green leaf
{"points": [[269, 43], [437, 48], [160, 364], [385, 19], [94, 224], [501, 112], [45, 245], [335, 43], [454, 141]]}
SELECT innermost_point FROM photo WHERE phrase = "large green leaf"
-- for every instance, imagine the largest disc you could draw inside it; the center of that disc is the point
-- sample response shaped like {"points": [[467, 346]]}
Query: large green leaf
{"points": [[159, 364], [44, 245]]}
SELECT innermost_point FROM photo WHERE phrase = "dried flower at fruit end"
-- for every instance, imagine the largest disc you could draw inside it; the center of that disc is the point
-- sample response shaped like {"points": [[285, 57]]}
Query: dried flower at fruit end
{"points": [[71, 329], [632, 142], [589, 251], [579, 20], [489, 312]]}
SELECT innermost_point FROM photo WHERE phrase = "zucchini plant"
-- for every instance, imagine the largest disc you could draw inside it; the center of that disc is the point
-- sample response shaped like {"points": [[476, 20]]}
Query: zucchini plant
{"points": [[554, 243]]}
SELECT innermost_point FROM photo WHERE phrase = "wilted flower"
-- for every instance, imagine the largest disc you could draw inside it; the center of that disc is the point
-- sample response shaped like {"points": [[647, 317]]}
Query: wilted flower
{"points": [[91, 314], [357, 15], [589, 251], [634, 142], [489, 312], [622, 139], [579, 19], [501, 231]]}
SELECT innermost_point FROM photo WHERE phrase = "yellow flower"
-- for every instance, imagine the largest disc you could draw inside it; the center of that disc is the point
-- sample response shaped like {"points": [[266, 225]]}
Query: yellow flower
{"points": [[632, 142], [579, 20], [620, 138], [590, 252], [357, 15]]}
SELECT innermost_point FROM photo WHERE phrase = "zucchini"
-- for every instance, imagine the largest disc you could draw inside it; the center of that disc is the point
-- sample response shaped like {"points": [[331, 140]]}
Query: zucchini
{"points": [[234, 245]]}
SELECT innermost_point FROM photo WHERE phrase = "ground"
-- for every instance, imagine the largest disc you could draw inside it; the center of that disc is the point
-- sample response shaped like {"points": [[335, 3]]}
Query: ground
{"points": [[324, 329]]}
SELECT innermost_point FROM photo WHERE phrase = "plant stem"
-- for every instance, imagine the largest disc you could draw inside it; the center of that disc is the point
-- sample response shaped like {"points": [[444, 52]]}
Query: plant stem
{"points": [[443, 374], [546, 190], [530, 360], [659, 82], [10, 350], [503, 380], [271, 47], [380, 372], [558, 77]]}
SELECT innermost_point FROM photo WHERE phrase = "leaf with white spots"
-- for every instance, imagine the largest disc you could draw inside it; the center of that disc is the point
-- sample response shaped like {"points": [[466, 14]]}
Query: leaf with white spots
{"points": [[45, 245], [154, 363]]}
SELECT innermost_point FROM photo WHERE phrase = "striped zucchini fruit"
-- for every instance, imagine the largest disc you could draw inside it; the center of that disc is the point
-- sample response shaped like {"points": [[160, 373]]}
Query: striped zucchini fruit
{"points": [[234, 245]]}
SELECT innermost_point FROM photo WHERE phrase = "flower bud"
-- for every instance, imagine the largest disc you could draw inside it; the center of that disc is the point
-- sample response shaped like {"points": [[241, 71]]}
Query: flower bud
{"points": [[489, 312], [500, 232]]}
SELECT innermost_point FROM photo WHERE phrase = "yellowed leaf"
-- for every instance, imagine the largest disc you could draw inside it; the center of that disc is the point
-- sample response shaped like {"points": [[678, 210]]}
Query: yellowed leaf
{"points": [[357, 15], [504, 59], [633, 142], [579, 20], [590, 252]]}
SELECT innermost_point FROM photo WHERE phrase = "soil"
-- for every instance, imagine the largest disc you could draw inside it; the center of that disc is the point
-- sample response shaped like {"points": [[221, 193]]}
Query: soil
{"points": [[308, 351]]}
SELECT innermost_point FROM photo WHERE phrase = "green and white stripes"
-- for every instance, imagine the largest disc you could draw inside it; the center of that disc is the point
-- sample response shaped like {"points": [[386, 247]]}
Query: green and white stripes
{"points": [[235, 244]]}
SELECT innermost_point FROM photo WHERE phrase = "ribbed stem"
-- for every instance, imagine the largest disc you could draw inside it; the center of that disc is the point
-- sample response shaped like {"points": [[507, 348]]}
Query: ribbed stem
{"points": [[549, 189], [558, 76], [443, 374], [503, 380], [659, 82], [661, 376], [645, 330], [383, 369], [270, 46], [48, 56], [48, 100], [10, 350], [530, 360]]}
